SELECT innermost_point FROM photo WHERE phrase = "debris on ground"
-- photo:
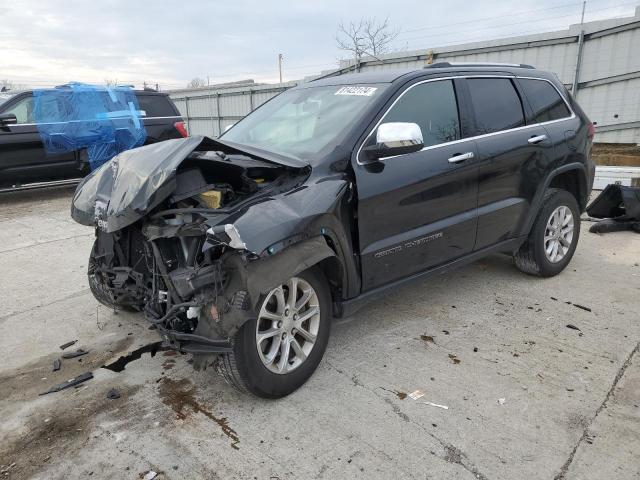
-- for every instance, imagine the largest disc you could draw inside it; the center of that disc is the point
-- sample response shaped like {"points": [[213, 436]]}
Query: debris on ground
{"points": [[401, 395], [454, 359], [416, 394], [70, 383], [5, 470], [436, 405], [56, 365], [150, 475], [120, 364], [619, 207], [113, 394], [427, 338], [582, 307], [475, 349], [573, 327], [75, 354], [501, 401], [68, 344]]}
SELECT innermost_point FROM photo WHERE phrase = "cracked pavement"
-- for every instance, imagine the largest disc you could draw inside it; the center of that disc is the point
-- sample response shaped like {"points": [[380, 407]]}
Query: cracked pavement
{"points": [[571, 406]]}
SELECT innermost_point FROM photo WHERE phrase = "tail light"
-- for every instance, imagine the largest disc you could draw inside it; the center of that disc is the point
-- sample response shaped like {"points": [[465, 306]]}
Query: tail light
{"points": [[591, 131], [181, 129]]}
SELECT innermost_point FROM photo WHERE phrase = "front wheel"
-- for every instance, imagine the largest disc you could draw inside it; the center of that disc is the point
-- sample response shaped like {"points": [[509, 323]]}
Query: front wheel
{"points": [[553, 238], [276, 353]]}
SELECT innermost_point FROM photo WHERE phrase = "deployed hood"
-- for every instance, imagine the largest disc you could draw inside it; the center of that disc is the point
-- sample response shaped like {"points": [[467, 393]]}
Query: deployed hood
{"points": [[124, 189]]}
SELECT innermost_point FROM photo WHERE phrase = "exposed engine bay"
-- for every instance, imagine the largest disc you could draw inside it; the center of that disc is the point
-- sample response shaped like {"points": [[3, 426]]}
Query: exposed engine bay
{"points": [[175, 253]]}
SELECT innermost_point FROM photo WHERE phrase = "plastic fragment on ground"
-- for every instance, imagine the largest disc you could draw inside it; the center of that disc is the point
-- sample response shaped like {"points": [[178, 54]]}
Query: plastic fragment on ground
{"points": [[70, 383], [436, 405], [416, 394]]}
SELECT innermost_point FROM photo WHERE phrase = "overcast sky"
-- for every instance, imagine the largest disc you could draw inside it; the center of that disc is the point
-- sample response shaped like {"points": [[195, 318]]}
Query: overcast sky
{"points": [[44, 43]]}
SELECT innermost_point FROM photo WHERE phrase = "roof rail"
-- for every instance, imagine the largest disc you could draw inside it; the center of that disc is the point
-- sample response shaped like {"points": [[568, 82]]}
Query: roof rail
{"points": [[477, 64]]}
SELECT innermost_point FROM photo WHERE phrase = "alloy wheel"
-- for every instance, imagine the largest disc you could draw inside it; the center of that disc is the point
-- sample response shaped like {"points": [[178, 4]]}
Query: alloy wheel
{"points": [[558, 234], [288, 325]]}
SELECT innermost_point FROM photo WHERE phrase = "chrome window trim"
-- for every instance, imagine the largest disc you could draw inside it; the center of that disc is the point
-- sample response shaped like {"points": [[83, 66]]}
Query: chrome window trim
{"points": [[453, 142]]}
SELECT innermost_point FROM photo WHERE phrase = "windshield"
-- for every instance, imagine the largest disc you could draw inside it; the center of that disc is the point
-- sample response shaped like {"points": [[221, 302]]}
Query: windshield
{"points": [[302, 123]]}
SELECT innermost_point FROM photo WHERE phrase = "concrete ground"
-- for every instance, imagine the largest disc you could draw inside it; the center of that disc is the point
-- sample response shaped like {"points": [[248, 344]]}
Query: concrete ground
{"points": [[527, 396]]}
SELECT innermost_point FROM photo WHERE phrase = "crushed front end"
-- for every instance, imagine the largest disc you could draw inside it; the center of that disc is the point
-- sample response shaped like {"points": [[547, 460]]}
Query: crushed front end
{"points": [[166, 244]]}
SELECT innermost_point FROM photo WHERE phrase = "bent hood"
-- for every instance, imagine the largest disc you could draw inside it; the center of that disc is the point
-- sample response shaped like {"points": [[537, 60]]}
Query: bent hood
{"points": [[124, 189]]}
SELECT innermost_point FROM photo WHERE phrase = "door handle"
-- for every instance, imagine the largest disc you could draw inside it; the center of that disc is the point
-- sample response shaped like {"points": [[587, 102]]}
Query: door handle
{"points": [[537, 139], [461, 157]]}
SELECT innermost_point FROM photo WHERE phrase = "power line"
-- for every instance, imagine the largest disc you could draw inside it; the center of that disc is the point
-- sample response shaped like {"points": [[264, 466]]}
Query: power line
{"points": [[493, 17], [521, 22], [519, 33]]}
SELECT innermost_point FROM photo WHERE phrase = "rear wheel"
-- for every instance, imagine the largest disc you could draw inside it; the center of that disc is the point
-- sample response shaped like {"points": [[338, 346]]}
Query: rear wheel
{"points": [[553, 238], [277, 352]]}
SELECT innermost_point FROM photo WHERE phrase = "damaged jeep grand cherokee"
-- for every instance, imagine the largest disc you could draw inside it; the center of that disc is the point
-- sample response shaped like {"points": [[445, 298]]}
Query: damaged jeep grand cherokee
{"points": [[242, 249]]}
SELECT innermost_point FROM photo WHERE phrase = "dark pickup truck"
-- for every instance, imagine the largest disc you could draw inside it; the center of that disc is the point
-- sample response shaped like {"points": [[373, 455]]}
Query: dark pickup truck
{"points": [[24, 161], [329, 195]]}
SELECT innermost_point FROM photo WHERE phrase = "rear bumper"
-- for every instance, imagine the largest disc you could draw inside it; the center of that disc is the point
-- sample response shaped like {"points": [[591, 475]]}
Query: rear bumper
{"points": [[190, 343]]}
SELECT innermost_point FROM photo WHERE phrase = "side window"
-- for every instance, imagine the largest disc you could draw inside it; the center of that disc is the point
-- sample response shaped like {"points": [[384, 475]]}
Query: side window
{"points": [[23, 110], [496, 104], [156, 106], [433, 107], [546, 102]]}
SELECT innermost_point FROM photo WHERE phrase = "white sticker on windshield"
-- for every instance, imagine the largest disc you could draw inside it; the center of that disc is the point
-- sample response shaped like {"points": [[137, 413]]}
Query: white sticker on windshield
{"points": [[353, 90]]}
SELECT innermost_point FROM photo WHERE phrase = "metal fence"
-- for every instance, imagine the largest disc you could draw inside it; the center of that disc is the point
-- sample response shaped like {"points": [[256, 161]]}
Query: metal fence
{"points": [[208, 111], [598, 61]]}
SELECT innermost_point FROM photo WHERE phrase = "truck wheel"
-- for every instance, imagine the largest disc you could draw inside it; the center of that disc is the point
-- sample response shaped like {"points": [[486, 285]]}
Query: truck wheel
{"points": [[277, 352], [553, 238]]}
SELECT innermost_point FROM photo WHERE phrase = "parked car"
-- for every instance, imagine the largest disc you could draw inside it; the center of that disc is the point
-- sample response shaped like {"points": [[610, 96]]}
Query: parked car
{"points": [[326, 197], [24, 161]]}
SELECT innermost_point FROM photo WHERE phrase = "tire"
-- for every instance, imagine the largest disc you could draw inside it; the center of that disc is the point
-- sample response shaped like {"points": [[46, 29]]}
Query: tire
{"points": [[244, 367], [532, 258], [99, 290]]}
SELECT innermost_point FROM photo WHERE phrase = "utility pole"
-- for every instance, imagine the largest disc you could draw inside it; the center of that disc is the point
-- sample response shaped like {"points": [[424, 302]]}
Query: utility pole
{"points": [[280, 57], [576, 77]]}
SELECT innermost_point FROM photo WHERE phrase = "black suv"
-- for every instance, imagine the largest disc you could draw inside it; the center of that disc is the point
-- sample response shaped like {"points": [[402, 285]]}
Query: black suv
{"points": [[329, 195], [24, 162]]}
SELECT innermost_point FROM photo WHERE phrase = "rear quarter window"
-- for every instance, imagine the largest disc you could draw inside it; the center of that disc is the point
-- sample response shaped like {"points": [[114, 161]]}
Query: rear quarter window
{"points": [[496, 104], [156, 106], [545, 101]]}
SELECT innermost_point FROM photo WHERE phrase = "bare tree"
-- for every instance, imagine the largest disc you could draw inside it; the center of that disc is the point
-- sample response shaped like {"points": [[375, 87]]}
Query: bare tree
{"points": [[197, 83], [366, 37], [6, 85]]}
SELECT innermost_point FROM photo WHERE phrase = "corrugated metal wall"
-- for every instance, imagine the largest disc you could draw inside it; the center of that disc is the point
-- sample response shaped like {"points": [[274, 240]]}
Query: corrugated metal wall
{"points": [[208, 111], [608, 77]]}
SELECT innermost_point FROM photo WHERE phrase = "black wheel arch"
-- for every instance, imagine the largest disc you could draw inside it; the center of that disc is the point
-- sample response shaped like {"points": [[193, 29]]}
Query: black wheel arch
{"points": [[571, 177]]}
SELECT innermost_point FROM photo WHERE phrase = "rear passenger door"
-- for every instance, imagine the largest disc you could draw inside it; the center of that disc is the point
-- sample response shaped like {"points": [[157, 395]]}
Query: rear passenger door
{"points": [[418, 210], [512, 155]]}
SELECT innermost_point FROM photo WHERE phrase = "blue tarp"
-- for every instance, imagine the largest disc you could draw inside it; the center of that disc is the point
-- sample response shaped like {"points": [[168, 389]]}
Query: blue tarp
{"points": [[103, 120]]}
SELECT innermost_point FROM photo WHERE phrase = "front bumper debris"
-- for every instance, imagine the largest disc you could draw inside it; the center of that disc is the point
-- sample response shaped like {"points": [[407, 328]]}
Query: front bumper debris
{"points": [[191, 343]]}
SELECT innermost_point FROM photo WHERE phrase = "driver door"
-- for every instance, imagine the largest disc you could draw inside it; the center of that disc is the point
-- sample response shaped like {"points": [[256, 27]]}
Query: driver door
{"points": [[418, 210]]}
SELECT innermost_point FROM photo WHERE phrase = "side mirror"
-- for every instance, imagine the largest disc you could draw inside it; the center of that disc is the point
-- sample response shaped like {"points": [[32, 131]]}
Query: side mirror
{"points": [[8, 119], [395, 138]]}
